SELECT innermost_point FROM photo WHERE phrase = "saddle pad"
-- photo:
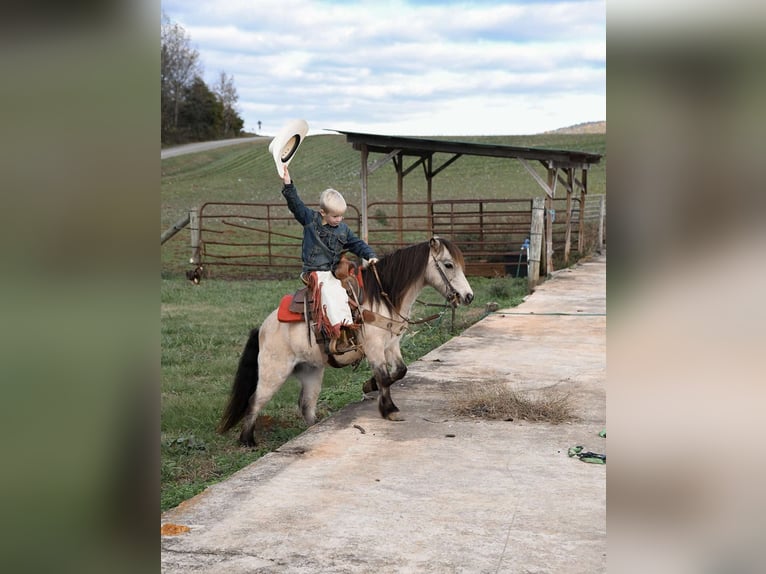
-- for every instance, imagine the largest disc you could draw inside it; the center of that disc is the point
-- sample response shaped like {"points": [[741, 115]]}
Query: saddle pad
{"points": [[284, 314]]}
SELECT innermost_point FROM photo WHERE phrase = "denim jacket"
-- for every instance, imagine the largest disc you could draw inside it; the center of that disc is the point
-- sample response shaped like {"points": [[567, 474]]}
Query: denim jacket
{"points": [[323, 245]]}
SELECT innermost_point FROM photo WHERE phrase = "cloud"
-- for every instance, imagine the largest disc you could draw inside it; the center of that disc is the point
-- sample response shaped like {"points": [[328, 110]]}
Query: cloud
{"points": [[396, 64]]}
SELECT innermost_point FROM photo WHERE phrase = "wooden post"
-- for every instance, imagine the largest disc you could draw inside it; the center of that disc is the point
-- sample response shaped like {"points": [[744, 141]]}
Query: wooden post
{"points": [[429, 199], [175, 228], [583, 193], [195, 234], [601, 218], [568, 232], [400, 196], [535, 242], [549, 223], [363, 176]]}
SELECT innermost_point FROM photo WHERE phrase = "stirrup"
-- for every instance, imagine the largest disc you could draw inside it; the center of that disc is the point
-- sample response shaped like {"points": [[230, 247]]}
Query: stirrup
{"points": [[343, 344], [339, 347]]}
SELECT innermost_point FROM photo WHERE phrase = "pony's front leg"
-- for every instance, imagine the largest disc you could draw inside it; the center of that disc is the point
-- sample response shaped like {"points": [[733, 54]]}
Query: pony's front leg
{"points": [[396, 369], [388, 410]]}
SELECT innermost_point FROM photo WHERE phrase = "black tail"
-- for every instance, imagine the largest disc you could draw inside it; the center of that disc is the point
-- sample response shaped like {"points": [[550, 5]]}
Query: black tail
{"points": [[245, 383]]}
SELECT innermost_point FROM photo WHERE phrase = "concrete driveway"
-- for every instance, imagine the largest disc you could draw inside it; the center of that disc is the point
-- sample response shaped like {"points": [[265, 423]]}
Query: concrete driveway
{"points": [[436, 493]]}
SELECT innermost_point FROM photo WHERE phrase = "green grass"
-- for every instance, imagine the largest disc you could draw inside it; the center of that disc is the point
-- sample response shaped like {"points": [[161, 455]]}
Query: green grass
{"points": [[204, 329]]}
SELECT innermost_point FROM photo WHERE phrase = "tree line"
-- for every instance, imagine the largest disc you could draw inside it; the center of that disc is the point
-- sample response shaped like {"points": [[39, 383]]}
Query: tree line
{"points": [[191, 110]]}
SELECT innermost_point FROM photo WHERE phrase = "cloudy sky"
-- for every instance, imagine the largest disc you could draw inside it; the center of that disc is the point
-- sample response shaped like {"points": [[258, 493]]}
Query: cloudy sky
{"points": [[405, 67]]}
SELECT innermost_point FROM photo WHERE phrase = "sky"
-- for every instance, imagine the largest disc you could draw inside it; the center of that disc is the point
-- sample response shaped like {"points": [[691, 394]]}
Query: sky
{"points": [[405, 67]]}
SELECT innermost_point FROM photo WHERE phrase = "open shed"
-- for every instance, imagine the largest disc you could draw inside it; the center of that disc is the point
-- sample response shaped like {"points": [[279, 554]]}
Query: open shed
{"points": [[566, 167]]}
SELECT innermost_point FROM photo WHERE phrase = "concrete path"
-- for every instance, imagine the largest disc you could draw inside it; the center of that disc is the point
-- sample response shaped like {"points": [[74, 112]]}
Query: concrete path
{"points": [[436, 493]]}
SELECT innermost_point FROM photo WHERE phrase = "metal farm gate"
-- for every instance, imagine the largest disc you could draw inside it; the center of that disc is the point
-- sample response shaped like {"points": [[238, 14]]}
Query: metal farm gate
{"points": [[490, 232], [262, 240]]}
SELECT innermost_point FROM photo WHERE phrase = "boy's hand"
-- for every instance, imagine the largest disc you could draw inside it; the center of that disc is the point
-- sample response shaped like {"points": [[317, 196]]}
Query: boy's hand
{"points": [[286, 177]]}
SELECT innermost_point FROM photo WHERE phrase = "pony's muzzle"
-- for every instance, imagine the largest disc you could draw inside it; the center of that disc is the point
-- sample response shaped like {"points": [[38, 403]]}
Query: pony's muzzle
{"points": [[461, 299]]}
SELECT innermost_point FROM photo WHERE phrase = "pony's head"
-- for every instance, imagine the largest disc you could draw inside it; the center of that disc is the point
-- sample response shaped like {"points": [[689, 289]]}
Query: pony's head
{"points": [[446, 272], [438, 263]]}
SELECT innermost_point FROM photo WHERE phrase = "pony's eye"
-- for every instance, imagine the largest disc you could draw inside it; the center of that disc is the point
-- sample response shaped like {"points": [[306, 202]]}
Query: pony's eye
{"points": [[448, 264]]}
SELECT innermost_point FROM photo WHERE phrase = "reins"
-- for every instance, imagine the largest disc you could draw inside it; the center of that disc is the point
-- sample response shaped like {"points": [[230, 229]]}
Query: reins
{"points": [[448, 300]]}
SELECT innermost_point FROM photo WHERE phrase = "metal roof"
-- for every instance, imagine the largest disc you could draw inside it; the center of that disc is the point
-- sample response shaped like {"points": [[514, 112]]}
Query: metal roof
{"points": [[422, 147]]}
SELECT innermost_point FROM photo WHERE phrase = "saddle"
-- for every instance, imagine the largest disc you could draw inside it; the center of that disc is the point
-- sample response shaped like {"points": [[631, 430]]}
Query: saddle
{"points": [[301, 306]]}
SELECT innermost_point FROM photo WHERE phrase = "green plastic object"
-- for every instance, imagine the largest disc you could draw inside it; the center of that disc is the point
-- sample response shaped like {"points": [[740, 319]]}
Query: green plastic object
{"points": [[587, 456]]}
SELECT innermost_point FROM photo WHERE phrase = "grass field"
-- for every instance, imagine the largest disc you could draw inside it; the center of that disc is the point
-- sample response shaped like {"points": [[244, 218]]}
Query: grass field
{"points": [[204, 327]]}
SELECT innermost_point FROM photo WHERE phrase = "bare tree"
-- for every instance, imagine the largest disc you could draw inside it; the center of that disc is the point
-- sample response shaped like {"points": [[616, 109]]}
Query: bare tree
{"points": [[179, 66], [227, 95]]}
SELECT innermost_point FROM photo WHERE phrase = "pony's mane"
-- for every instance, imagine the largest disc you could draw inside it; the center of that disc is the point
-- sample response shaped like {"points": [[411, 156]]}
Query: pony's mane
{"points": [[400, 270]]}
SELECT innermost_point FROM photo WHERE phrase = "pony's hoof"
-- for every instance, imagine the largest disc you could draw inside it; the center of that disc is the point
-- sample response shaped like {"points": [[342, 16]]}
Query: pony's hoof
{"points": [[247, 440], [395, 416]]}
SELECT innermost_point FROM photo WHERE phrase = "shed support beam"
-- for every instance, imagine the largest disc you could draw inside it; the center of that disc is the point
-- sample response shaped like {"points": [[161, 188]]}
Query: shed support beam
{"points": [[549, 221], [428, 168], [450, 161], [583, 193], [414, 165], [547, 186], [398, 163], [535, 242], [382, 161], [364, 153], [568, 232]]}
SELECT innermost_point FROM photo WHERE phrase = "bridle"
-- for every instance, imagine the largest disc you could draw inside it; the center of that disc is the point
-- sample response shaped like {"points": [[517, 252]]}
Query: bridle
{"points": [[452, 298]]}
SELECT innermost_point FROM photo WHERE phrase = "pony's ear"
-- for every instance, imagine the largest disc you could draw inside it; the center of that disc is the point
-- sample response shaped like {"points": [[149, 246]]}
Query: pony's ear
{"points": [[435, 243]]}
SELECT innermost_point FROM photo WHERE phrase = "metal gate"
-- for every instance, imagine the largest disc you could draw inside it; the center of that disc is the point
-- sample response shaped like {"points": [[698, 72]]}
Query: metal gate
{"points": [[262, 240]]}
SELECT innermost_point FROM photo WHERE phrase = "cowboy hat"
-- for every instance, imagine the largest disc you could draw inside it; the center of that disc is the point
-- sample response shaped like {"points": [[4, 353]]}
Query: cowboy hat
{"points": [[286, 142]]}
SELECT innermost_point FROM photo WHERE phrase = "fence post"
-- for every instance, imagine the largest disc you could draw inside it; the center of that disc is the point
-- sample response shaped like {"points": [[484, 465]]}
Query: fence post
{"points": [[568, 230], [601, 217], [535, 242], [194, 227]]}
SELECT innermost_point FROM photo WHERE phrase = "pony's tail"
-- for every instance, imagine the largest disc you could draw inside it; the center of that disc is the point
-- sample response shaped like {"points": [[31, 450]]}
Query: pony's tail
{"points": [[245, 383]]}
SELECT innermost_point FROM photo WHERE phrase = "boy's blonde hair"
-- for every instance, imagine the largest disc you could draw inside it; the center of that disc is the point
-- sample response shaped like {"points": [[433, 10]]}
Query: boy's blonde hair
{"points": [[332, 202]]}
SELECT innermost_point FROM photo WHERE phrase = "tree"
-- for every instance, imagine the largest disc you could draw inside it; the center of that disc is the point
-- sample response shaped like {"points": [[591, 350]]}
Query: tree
{"points": [[179, 67], [227, 95], [201, 114]]}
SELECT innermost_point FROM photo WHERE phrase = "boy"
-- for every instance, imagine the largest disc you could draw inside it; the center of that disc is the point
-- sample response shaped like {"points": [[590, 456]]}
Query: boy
{"points": [[325, 237]]}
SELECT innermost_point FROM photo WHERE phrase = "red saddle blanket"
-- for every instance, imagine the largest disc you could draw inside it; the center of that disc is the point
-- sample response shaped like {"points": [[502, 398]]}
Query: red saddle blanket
{"points": [[284, 314]]}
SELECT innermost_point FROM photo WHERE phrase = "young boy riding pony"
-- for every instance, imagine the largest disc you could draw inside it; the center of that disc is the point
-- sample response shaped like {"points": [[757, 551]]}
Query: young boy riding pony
{"points": [[325, 238]]}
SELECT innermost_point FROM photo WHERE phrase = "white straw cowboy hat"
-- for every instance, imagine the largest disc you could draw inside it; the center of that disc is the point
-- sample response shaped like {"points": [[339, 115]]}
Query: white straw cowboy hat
{"points": [[286, 142]]}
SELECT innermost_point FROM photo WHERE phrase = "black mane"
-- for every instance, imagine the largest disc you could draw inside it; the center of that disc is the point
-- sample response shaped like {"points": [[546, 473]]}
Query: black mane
{"points": [[400, 270]]}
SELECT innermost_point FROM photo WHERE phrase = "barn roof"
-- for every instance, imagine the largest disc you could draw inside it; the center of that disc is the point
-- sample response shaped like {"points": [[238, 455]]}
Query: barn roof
{"points": [[423, 147]]}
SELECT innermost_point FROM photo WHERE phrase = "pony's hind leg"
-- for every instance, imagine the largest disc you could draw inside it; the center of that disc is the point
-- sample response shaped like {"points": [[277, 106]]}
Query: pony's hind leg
{"points": [[271, 380], [370, 385], [310, 377]]}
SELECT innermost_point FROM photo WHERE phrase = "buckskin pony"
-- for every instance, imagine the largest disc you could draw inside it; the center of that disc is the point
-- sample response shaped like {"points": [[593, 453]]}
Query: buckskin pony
{"points": [[278, 349]]}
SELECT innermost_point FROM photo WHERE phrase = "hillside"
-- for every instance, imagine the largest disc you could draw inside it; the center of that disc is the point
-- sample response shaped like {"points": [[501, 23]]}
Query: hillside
{"points": [[583, 128]]}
